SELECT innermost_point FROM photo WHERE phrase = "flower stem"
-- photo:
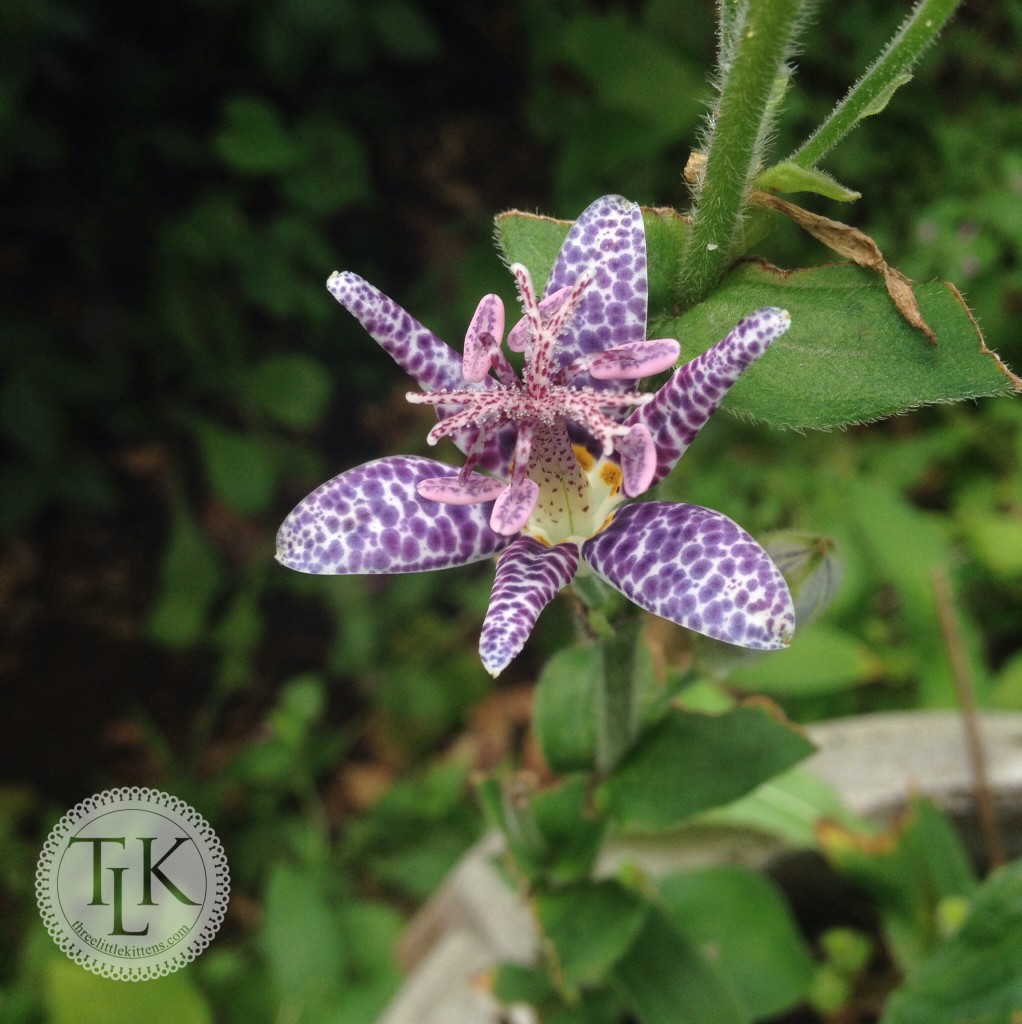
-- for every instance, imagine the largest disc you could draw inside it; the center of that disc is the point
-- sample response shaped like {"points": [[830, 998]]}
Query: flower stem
{"points": [[755, 40], [873, 91], [617, 702]]}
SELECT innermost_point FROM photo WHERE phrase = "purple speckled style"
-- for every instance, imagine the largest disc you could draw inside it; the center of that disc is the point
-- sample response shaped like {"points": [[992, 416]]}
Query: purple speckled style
{"points": [[559, 449]]}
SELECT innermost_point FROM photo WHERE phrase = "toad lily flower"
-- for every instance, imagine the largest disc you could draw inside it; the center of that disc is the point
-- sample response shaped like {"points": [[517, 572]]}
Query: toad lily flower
{"points": [[552, 456]]}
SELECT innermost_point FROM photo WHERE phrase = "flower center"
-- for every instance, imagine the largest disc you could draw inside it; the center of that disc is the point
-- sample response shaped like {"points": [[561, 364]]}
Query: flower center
{"points": [[576, 503], [554, 493]]}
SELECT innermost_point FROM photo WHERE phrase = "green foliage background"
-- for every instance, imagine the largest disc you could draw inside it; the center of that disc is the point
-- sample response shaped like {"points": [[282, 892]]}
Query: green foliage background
{"points": [[178, 182]]}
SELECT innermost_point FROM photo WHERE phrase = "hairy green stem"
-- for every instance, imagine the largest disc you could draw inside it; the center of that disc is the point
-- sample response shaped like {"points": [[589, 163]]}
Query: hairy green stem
{"points": [[890, 70], [758, 38], [617, 703]]}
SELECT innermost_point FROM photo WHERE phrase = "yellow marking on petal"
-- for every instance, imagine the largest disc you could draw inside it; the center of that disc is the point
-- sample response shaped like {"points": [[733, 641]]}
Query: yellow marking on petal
{"points": [[611, 476], [585, 458], [606, 523]]}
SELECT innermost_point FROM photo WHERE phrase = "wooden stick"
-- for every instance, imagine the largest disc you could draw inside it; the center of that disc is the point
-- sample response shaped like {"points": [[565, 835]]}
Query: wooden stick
{"points": [[965, 691]]}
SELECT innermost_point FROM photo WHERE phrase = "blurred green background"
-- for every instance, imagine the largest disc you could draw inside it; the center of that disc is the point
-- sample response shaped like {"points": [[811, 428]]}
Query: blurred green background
{"points": [[178, 181]]}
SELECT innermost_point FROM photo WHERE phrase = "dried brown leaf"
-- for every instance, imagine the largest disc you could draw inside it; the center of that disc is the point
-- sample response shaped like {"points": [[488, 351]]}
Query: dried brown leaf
{"points": [[854, 245]]}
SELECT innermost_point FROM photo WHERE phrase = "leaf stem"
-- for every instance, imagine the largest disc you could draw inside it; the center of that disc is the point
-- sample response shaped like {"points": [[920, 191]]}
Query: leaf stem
{"points": [[890, 70], [756, 38]]}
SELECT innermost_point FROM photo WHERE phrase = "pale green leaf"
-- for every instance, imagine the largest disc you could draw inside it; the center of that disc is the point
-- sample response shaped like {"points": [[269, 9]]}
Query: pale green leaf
{"points": [[301, 936], [821, 659], [566, 687], [789, 177], [76, 996]]}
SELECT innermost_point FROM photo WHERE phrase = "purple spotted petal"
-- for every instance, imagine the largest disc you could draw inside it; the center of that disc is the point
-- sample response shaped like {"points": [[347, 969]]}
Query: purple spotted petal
{"points": [[609, 235], [697, 568], [433, 364], [529, 576], [681, 407], [372, 520]]}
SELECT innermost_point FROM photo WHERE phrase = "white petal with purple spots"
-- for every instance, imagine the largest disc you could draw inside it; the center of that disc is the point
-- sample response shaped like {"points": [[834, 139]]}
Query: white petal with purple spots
{"points": [[529, 576], [609, 235], [682, 406], [697, 568], [433, 364], [372, 520], [429, 360]]}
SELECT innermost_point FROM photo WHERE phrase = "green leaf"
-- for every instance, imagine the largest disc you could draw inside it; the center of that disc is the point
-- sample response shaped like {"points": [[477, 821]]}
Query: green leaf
{"points": [[614, 54], [521, 983], [974, 977], [334, 172], [372, 932], [821, 659], [292, 389], [301, 937], [996, 539], [189, 581], [241, 470], [740, 915], [692, 761], [565, 694], [665, 979], [787, 177], [789, 806], [550, 833], [849, 357], [908, 872], [532, 240], [76, 996], [404, 30], [253, 139], [588, 927]]}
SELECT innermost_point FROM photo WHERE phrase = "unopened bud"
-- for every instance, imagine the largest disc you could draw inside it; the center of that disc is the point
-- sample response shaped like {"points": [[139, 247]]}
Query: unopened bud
{"points": [[810, 565]]}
